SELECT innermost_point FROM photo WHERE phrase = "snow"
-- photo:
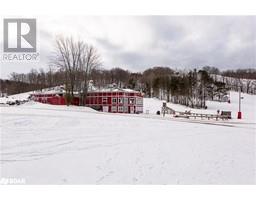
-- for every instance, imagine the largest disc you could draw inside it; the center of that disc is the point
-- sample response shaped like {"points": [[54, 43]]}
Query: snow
{"points": [[247, 84], [20, 97], [4, 100], [248, 106], [46, 144]]}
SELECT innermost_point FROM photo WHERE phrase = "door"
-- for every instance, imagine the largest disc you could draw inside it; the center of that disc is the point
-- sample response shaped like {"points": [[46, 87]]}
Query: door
{"points": [[132, 109], [105, 108]]}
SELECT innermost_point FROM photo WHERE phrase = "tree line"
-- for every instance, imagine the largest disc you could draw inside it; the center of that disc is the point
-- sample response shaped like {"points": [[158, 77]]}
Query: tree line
{"points": [[191, 88]]}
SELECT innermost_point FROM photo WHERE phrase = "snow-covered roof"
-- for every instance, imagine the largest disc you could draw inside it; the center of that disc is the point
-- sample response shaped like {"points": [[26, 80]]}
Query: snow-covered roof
{"points": [[114, 90], [53, 90], [60, 89]]}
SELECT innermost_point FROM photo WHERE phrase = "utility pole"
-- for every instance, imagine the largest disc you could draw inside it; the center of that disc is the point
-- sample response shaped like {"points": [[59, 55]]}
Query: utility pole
{"points": [[239, 114]]}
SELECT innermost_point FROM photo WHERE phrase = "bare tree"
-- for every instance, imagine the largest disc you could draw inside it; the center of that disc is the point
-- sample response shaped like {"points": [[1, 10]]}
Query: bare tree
{"points": [[89, 60], [76, 59]]}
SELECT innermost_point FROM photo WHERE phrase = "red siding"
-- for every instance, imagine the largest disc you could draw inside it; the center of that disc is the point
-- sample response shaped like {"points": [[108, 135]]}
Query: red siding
{"points": [[127, 103]]}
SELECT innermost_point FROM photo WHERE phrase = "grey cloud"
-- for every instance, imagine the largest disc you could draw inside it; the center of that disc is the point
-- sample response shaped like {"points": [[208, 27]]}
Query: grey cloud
{"points": [[227, 42], [213, 47], [106, 44]]}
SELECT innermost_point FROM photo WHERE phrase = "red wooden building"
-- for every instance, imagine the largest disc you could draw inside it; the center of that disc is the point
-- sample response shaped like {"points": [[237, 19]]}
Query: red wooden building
{"points": [[107, 100]]}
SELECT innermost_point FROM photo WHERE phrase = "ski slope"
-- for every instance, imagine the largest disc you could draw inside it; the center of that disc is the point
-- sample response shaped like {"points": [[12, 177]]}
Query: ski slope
{"points": [[46, 144], [248, 107]]}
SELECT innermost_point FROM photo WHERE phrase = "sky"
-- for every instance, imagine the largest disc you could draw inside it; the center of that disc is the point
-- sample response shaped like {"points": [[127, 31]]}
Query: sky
{"points": [[139, 42]]}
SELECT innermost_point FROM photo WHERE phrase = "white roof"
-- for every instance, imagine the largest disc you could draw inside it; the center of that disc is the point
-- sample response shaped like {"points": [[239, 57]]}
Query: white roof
{"points": [[113, 90], [60, 89]]}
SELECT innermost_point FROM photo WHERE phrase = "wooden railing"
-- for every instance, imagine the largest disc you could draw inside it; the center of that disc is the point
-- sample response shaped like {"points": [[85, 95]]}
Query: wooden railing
{"points": [[188, 114], [200, 115]]}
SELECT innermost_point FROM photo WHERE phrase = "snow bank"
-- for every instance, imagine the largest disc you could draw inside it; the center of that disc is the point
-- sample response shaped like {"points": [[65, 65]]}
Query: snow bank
{"points": [[13, 98], [3, 100], [21, 96]]}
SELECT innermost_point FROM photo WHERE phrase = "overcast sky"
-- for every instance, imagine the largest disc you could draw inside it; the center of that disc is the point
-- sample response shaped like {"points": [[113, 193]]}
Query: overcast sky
{"points": [[139, 42]]}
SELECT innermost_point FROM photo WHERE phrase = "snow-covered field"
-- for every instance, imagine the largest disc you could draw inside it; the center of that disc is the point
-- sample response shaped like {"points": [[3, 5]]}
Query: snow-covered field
{"points": [[46, 144]]}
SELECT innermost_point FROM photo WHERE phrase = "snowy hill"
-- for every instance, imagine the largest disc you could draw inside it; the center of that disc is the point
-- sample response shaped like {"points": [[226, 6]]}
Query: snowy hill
{"points": [[46, 144], [247, 85], [248, 106]]}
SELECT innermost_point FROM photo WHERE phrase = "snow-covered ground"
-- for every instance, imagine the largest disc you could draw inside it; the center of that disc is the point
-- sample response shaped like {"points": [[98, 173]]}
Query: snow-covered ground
{"points": [[46, 144], [248, 106], [19, 97]]}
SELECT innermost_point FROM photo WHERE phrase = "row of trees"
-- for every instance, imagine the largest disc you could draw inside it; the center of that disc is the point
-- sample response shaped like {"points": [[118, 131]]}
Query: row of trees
{"points": [[249, 73], [38, 79], [191, 88], [9, 87]]}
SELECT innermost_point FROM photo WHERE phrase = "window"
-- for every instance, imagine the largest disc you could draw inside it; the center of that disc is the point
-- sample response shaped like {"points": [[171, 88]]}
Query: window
{"points": [[105, 108], [113, 109], [139, 109], [139, 101], [114, 100], [120, 108], [126, 109], [120, 100], [125, 100], [104, 100]]}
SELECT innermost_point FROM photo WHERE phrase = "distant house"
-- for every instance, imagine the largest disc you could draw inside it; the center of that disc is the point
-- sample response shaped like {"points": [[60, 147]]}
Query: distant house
{"points": [[113, 100]]}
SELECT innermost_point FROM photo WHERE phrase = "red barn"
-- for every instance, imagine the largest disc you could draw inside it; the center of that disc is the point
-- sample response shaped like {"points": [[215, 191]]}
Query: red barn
{"points": [[107, 100], [116, 100]]}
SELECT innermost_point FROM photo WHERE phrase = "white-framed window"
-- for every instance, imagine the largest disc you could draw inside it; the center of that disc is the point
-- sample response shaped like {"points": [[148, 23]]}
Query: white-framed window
{"points": [[139, 101], [114, 100], [120, 100], [120, 109], [125, 100], [139, 109], [113, 109]]}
